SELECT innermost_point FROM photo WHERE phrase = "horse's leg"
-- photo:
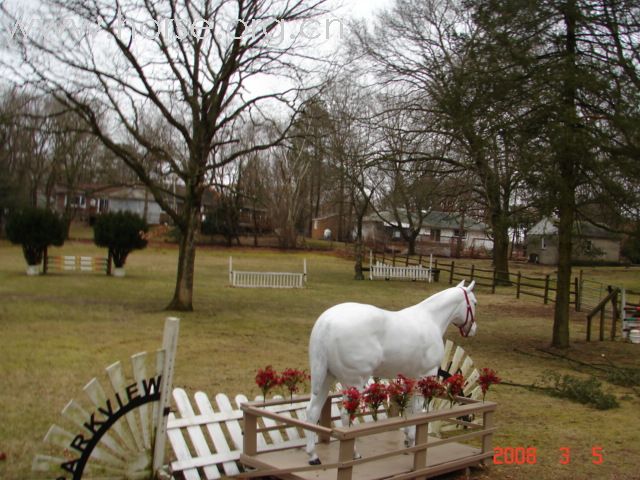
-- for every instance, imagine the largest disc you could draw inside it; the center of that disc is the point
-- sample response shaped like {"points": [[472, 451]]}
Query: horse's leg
{"points": [[320, 386], [410, 432], [416, 406], [344, 416]]}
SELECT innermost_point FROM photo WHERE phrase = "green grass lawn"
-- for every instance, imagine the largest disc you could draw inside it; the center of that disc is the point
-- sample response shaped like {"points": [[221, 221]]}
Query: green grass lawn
{"points": [[61, 330]]}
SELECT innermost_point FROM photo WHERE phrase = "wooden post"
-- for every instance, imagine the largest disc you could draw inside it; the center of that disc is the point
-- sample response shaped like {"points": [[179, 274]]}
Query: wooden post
{"points": [[304, 269], [345, 455], [406, 263], [546, 289], [487, 438], [393, 259], [325, 421], [250, 434], [473, 269], [169, 346], [46, 261], [577, 294], [616, 313], [602, 324], [420, 456], [589, 318], [518, 285], [109, 260], [453, 266]]}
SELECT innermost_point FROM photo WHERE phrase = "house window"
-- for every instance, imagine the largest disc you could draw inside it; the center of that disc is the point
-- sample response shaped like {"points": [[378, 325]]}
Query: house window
{"points": [[543, 243], [78, 201], [460, 233], [103, 205], [435, 234]]}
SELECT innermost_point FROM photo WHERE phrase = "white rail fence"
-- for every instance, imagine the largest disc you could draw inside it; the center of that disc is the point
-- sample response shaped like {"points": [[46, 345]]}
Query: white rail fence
{"points": [[380, 270], [267, 279]]}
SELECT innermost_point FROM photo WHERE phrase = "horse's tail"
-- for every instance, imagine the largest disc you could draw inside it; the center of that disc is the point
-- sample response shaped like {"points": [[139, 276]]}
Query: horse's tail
{"points": [[318, 362]]}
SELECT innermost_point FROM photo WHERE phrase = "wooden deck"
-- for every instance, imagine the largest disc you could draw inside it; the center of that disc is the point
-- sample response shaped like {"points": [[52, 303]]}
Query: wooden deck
{"points": [[380, 444], [440, 459]]}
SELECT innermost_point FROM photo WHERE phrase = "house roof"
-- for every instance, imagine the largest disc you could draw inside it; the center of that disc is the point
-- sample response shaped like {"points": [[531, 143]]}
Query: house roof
{"points": [[433, 219], [548, 226]]}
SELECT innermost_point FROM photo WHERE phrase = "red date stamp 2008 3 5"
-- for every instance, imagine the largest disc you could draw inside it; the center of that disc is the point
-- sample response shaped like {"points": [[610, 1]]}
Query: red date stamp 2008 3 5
{"points": [[529, 455]]}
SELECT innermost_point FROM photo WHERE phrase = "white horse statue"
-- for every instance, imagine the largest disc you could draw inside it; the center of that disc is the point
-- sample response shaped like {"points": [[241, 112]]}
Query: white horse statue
{"points": [[352, 342]]}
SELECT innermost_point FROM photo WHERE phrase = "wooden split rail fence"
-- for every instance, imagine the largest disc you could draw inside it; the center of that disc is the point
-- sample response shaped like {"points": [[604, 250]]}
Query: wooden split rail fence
{"points": [[248, 279]]}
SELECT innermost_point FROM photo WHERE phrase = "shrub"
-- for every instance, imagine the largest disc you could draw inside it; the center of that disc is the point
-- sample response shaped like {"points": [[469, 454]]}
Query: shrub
{"points": [[121, 233], [588, 391], [35, 229]]}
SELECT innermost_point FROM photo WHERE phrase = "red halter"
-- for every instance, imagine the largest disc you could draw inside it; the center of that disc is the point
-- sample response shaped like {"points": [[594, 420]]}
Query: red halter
{"points": [[468, 317]]}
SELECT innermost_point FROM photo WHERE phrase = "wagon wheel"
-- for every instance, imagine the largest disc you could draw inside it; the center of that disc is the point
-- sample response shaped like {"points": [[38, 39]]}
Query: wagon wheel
{"points": [[455, 361], [115, 427]]}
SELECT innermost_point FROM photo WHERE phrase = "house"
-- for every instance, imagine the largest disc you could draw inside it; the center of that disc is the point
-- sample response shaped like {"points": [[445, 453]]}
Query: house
{"points": [[325, 228], [590, 243], [89, 201], [440, 232]]}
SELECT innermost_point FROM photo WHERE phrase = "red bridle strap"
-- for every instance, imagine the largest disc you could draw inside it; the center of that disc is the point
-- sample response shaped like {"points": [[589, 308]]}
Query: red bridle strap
{"points": [[469, 315]]}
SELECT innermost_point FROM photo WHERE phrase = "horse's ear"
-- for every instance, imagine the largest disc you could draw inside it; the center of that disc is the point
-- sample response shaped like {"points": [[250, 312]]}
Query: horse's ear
{"points": [[471, 285], [461, 284]]}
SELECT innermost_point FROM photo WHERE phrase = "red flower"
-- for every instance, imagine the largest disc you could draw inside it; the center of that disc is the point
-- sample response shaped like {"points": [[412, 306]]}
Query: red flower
{"points": [[374, 396], [429, 387], [454, 386], [351, 399], [400, 390], [487, 378], [267, 379], [291, 377]]}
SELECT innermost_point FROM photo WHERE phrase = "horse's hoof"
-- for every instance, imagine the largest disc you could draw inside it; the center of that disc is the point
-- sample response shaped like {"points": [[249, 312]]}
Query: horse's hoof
{"points": [[315, 462], [357, 456]]}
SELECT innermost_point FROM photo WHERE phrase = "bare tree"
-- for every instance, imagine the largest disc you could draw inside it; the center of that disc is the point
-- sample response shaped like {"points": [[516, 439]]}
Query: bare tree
{"points": [[188, 63]]}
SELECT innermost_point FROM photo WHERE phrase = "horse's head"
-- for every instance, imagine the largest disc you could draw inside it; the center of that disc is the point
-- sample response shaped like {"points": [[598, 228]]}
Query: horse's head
{"points": [[465, 315]]}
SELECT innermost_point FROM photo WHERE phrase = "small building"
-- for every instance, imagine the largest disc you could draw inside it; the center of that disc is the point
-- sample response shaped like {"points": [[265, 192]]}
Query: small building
{"points": [[325, 228], [590, 243], [440, 233]]}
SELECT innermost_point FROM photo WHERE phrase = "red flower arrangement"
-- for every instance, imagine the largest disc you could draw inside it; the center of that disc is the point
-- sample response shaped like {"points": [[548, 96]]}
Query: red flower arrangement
{"points": [[400, 391], [429, 387], [487, 378], [291, 378], [374, 396], [351, 399], [454, 386], [266, 380]]}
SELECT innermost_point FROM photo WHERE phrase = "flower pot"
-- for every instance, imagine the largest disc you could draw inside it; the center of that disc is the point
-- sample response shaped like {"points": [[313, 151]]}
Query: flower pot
{"points": [[33, 270], [634, 336], [118, 272]]}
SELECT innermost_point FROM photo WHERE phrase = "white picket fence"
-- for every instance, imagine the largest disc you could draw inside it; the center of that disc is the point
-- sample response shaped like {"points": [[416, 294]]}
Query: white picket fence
{"points": [[207, 441], [267, 279], [381, 270]]}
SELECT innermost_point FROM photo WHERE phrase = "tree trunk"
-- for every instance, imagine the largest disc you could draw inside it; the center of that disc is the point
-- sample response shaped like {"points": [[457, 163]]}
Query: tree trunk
{"points": [[570, 148], [183, 295], [500, 248], [359, 249], [411, 240], [563, 294]]}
